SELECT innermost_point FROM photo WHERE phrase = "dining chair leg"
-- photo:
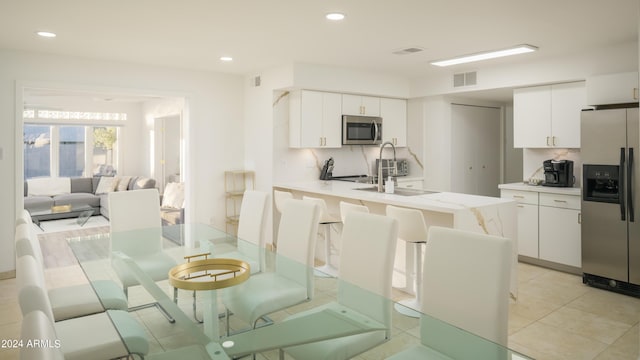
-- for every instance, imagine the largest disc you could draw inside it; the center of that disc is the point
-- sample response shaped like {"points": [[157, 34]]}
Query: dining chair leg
{"points": [[157, 305], [194, 309]]}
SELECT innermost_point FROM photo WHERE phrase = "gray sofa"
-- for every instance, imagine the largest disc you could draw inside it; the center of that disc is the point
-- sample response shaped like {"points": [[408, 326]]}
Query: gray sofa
{"points": [[83, 192]]}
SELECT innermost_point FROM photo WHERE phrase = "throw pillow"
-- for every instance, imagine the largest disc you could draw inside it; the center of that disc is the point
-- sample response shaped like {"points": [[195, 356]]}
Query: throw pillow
{"points": [[48, 186], [107, 184], [123, 183], [173, 196]]}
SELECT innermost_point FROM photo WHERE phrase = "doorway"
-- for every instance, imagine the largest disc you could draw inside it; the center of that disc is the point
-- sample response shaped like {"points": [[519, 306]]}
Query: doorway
{"points": [[168, 150]]}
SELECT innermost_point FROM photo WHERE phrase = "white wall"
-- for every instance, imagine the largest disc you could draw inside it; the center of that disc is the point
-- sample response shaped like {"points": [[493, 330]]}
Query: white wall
{"points": [[214, 126]]}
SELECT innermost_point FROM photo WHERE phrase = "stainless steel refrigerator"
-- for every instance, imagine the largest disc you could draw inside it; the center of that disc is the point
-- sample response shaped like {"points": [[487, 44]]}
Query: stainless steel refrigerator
{"points": [[610, 194]]}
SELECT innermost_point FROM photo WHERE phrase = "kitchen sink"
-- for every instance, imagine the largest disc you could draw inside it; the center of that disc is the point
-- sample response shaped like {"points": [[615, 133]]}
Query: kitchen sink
{"points": [[401, 191]]}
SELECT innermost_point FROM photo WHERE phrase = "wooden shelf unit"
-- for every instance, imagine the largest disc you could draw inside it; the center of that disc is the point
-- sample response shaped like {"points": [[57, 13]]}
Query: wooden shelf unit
{"points": [[235, 184]]}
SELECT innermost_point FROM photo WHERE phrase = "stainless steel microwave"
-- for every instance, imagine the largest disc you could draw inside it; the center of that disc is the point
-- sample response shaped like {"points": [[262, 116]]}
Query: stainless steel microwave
{"points": [[361, 130]]}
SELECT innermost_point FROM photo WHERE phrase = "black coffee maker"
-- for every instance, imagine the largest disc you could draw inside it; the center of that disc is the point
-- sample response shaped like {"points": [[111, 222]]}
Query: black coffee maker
{"points": [[558, 173]]}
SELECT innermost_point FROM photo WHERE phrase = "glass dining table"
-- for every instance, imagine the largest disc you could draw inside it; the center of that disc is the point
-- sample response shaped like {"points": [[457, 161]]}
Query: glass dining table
{"points": [[200, 327]]}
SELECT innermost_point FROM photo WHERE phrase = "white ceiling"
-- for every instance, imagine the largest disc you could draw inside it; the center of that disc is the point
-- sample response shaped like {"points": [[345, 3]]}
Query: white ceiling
{"points": [[260, 34]]}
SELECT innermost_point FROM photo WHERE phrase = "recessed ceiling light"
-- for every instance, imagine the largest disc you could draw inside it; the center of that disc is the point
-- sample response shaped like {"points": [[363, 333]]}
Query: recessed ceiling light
{"points": [[46, 34], [226, 58], [519, 49], [335, 16]]}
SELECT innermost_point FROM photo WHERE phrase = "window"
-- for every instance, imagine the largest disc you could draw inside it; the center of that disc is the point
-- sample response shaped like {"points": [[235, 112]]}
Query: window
{"points": [[69, 150], [37, 151]]}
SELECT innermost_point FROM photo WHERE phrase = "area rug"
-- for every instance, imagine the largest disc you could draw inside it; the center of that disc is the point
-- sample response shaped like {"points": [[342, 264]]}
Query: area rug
{"points": [[63, 225], [56, 251]]}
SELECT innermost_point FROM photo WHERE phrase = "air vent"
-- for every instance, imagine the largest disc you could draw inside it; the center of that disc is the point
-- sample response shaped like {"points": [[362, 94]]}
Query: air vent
{"points": [[407, 51], [465, 79]]}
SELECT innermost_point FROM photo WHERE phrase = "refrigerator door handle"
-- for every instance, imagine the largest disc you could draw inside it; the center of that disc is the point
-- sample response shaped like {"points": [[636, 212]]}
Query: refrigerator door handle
{"points": [[630, 185], [621, 186]]}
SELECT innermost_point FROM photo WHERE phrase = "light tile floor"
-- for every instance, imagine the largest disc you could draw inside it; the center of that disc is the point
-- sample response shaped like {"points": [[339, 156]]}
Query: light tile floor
{"points": [[555, 317]]}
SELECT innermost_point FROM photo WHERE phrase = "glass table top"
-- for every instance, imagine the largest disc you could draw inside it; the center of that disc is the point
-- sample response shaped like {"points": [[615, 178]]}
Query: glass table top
{"points": [[188, 338]]}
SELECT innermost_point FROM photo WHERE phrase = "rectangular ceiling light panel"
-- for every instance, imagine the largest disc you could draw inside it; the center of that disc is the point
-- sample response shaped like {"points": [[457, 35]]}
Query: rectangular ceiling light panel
{"points": [[520, 49]]}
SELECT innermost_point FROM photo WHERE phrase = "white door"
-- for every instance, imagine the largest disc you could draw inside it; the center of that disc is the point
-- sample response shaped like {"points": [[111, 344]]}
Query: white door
{"points": [[475, 152]]}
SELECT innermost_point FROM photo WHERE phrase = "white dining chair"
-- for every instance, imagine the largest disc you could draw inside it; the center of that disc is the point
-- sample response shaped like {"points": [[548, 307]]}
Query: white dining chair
{"points": [[465, 286], [251, 223], [279, 199], [326, 220], [136, 231], [71, 301], [364, 286], [107, 335], [36, 325], [413, 230], [24, 217], [292, 281]]}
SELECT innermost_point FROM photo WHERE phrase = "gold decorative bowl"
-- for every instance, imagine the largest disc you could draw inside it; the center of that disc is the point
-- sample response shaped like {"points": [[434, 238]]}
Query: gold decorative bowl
{"points": [[209, 274]]}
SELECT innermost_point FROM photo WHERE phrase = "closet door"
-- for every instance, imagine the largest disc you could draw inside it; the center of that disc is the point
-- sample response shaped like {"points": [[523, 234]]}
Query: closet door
{"points": [[475, 152]]}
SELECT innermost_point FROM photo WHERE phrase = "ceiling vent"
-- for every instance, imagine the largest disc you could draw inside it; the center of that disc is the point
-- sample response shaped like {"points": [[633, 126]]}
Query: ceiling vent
{"points": [[408, 51], [465, 79]]}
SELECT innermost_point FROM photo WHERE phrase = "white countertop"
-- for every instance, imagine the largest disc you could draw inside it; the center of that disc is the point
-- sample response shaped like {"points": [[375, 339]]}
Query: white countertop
{"points": [[445, 202], [544, 189]]}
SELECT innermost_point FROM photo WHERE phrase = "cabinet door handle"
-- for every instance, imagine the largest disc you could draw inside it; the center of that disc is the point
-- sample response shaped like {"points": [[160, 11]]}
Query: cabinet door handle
{"points": [[547, 141], [579, 218], [553, 140], [635, 93], [320, 140], [560, 201], [518, 197], [520, 206]]}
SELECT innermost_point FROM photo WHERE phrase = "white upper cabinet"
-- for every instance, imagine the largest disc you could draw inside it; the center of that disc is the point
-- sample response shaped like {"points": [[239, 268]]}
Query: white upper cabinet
{"points": [[394, 121], [612, 89], [315, 119], [360, 105], [532, 117], [548, 116]]}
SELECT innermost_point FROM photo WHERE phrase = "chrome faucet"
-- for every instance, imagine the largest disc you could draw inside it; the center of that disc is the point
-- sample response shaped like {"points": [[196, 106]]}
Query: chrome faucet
{"points": [[380, 187]]}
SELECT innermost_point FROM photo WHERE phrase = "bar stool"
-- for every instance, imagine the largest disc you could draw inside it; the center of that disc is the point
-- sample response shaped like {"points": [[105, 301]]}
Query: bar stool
{"points": [[412, 229], [326, 220], [279, 197], [346, 208]]}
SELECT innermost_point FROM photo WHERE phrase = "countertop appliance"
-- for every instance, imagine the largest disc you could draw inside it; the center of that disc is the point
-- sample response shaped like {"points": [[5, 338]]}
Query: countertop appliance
{"points": [[401, 167], [327, 170], [361, 130], [558, 173], [610, 232]]}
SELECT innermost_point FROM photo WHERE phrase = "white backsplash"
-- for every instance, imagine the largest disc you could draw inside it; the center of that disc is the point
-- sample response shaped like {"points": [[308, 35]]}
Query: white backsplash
{"points": [[360, 159], [533, 158]]}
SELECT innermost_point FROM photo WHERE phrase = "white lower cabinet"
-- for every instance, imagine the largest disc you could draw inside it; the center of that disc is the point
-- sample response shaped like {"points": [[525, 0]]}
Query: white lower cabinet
{"points": [[528, 230], [527, 220], [548, 226], [559, 225]]}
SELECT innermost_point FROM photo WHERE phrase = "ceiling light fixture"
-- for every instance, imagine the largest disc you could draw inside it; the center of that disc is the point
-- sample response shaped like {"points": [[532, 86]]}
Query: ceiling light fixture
{"points": [[335, 16], [226, 58], [519, 49], [46, 34]]}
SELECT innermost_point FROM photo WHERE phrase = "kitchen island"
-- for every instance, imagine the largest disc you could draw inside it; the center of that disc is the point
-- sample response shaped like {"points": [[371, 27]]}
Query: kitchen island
{"points": [[488, 215]]}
